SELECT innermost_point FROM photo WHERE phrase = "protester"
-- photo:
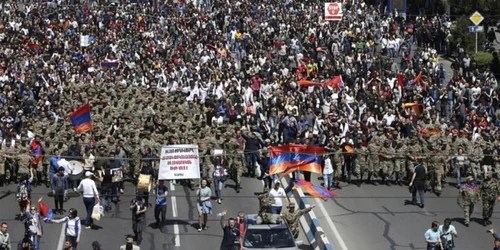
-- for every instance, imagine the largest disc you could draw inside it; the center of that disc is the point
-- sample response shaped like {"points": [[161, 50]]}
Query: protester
{"points": [[4, 237], [59, 186], [90, 197], [130, 245], [161, 204], [139, 209], [448, 232], [73, 227], [204, 204], [231, 239]]}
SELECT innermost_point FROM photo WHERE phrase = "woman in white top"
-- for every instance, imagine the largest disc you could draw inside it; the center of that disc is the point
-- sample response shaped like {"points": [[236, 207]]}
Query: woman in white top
{"points": [[459, 161], [219, 176], [327, 172], [278, 193], [89, 159], [73, 227]]}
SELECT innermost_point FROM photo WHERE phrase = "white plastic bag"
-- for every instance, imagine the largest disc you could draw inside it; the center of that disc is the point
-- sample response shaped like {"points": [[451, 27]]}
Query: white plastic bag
{"points": [[97, 212]]}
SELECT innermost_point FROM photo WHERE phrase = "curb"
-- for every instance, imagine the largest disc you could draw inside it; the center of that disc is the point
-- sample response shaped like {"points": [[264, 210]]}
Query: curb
{"points": [[309, 222]]}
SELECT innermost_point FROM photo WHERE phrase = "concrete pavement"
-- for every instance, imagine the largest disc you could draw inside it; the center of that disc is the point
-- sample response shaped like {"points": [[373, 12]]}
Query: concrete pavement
{"points": [[180, 232], [376, 217]]}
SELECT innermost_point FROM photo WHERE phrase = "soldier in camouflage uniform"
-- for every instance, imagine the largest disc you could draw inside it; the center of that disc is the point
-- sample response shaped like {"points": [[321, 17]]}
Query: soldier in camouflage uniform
{"points": [[361, 162], [386, 162], [265, 214], [399, 160], [490, 193], [475, 158], [292, 218], [467, 198], [373, 160], [338, 160]]}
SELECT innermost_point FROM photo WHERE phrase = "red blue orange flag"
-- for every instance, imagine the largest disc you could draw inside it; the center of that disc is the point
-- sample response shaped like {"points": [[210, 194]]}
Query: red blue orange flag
{"points": [[45, 211], [314, 190], [81, 119], [288, 158], [36, 150]]}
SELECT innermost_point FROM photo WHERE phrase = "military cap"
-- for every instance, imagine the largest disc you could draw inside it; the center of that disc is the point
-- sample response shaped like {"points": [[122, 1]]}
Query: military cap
{"points": [[470, 178]]}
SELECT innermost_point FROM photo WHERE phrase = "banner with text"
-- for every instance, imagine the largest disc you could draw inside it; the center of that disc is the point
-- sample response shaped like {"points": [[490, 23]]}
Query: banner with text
{"points": [[179, 162]]}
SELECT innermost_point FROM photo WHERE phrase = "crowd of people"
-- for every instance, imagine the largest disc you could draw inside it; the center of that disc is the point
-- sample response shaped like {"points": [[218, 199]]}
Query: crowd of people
{"points": [[225, 75]]}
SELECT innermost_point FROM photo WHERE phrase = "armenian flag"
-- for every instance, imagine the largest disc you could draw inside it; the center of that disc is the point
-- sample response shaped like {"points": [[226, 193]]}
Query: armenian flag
{"points": [[45, 211], [36, 150], [289, 158], [335, 82], [314, 190], [81, 120]]}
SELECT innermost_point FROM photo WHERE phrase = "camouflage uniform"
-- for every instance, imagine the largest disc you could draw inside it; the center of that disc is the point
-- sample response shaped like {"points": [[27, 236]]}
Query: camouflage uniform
{"points": [[489, 191], [265, 214], [361, 163], [386, 163], [468, 196], [399, 160], [293, 219], [476, 156], [373, 159], [338, 160]]}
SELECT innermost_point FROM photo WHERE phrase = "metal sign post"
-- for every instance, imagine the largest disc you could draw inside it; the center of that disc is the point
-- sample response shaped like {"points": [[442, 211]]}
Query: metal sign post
{"points": [[476, 19]]}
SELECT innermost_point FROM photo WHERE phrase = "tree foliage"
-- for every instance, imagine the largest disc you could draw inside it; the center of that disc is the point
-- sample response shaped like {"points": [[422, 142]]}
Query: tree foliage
{"points": [[461, 34], [488, 8]]}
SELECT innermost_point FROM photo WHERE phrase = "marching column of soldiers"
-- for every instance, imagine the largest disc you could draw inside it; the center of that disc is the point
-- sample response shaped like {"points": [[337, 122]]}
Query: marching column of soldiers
{"points": [[390, 158]]}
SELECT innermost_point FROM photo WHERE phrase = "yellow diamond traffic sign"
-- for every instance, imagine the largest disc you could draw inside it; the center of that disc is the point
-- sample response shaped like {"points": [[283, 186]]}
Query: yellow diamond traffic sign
{"points": [[476, 18]]}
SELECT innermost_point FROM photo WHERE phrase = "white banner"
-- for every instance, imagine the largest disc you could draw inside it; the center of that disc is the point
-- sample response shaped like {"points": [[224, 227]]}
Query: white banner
{"points": [[333, 11], [179, 162], [84, 41]]}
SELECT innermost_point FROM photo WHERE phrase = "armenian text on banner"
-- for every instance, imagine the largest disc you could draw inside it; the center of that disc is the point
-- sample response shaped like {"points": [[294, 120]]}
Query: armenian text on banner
{"points": [[179, 162]]}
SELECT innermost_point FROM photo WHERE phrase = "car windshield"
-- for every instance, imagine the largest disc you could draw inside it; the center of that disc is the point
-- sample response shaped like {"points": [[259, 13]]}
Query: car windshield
{"points": [[268, 238]]}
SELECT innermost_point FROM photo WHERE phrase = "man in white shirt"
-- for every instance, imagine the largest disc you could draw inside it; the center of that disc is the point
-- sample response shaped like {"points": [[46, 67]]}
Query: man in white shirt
{"points": [[90, 197], [278, 193]]}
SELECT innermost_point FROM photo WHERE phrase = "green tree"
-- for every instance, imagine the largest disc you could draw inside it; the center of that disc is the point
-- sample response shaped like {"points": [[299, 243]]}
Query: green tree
{"points": [[487, 8]]}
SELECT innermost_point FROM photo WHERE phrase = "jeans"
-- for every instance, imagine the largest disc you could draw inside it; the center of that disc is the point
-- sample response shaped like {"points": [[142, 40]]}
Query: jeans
{"points": [[276, 210], [138, 226], [459, 178], [328, 180], [420, 194], [160, 210], [251, 160], [89, 205], [219, 186], [36, 241]]}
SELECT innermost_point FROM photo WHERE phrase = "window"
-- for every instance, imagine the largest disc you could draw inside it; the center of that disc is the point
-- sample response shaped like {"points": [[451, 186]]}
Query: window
{"points": [[268, 238]]}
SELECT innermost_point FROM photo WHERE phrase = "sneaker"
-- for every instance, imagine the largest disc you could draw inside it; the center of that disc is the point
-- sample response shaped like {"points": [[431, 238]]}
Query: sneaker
{"points": [[205, 228], [219, 201], [74, 190], [88, 227], [121, 190], [199, 229]]}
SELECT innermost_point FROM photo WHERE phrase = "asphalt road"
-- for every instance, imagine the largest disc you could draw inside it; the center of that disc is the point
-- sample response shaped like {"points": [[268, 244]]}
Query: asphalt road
{"points": [[180, 232], [376, 217]]}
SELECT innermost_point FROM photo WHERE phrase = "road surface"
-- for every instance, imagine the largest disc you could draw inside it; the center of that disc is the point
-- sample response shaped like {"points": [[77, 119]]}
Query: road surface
{"points": [[180, 232]]}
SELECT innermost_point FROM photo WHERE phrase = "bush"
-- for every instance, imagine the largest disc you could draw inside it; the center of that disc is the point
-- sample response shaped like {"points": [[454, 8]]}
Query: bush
{"points": [[483, 60]]}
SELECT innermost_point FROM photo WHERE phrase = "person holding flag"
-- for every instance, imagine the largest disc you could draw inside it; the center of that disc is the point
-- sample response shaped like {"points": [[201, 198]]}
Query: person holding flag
{"points": [[37, 153], [73, 227], [33, 223]]}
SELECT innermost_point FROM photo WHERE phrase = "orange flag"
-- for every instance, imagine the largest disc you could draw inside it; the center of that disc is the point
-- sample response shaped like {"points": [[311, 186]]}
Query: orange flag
{"points": [[418, 78]]}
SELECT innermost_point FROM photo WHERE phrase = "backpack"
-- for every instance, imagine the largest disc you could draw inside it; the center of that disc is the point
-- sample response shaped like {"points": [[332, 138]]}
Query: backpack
{"points": [[22, 194]]}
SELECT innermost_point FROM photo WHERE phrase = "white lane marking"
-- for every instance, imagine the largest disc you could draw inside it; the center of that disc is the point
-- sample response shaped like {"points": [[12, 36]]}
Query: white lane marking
{"points": [[177, 238], [172, 186], [336, 233], [62, 237]]}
